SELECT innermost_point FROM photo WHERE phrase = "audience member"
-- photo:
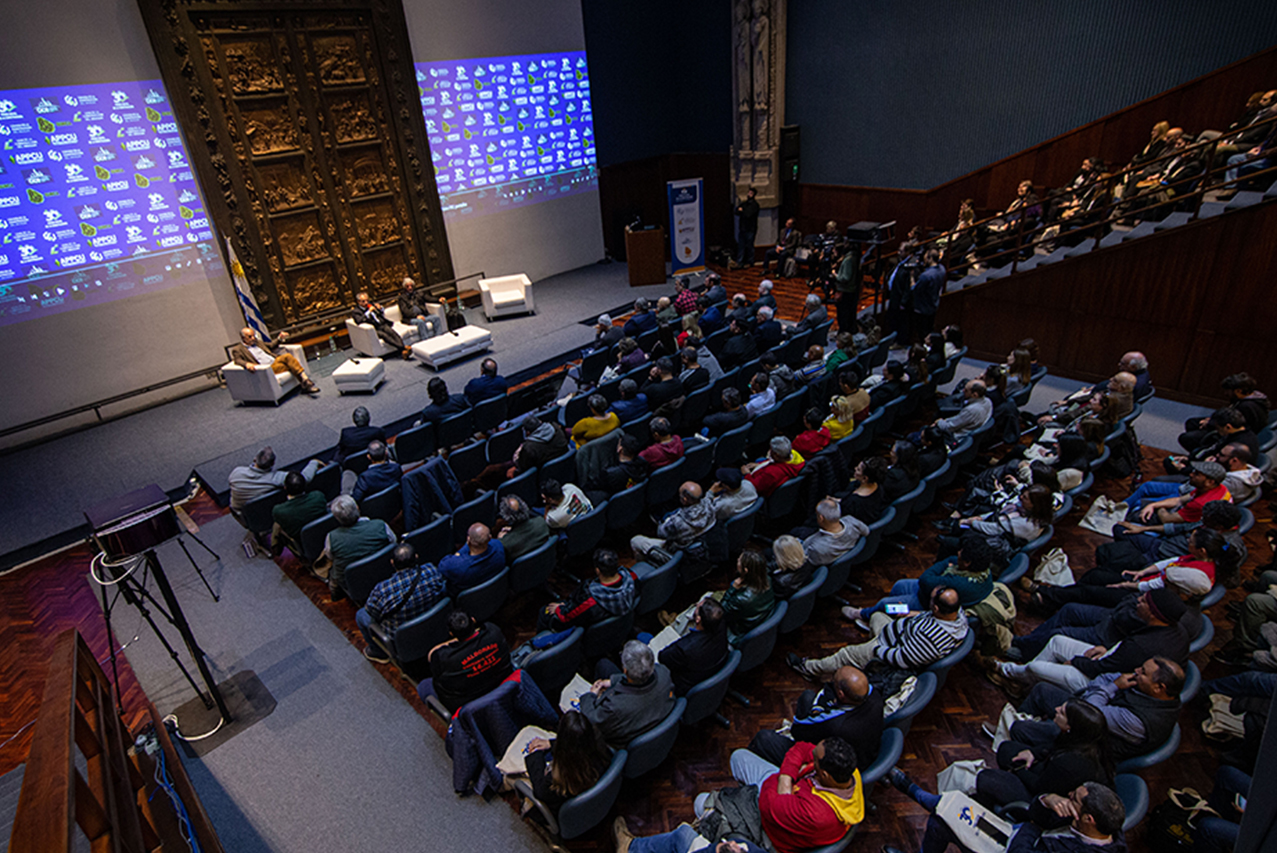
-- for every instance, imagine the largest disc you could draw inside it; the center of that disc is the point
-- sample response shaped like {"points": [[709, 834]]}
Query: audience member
{"points": [[570, 764], [301, 507], [642, 320], [629, 469], [693, 376], [524, 530], [442, 404], [632, 404], [487, 384], [663, 386], [893, 385], [632, 701], [866, 499], [472, 662], [260, 478], [815, 436], [702, 651], [762, 397], [411, 591], [837, 533], [767, 329], [846, 707], [666, 446], [912, 642], [382, 472], [354, 439], [354, 538], [740, 347], [780, 465], [975, 412], [612, 591], [681, 526], [478, 560], [598, 423], [732, 415], [731, 493], [563, 503]]}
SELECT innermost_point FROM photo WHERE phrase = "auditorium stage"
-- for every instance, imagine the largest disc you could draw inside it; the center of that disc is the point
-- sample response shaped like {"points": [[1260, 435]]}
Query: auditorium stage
{"points": [[49, 484]]}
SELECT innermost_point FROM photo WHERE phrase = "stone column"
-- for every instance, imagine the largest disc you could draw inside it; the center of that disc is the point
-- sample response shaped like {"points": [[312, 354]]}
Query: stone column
{"points": [[758, 96]]}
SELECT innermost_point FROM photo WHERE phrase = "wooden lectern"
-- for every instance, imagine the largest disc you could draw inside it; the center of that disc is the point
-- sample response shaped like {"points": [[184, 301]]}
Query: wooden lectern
{"points": [[645, 254]]}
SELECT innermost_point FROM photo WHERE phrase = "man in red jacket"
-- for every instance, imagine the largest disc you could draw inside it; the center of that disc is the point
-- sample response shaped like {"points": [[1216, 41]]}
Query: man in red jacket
{"points": [[812, 799]]}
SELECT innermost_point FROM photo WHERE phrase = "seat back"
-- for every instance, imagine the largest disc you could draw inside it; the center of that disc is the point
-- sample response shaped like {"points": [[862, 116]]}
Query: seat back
{"points": [[1021, 397], [1133, 792], [649, 749], [554, 667], [1156, 756], [731, 446], [586, 531], [932, 483], [524, 485], [1016, 569], [863, 435], [941, 667], [903, 506], [1204, 636], [640, 428], [593, 365], [501, 445], [385, 505], [469, 461], [362, 575], [588, 809], [762, 426], [1088, 480], [482, 509], [756, 645], [432, 541], [874, 539], [256, 514], [489, 413], [889, 413], [625, 506], [456, 429], [561, 468], [889, 750], [414, 639], [604, 637], [663, 483], [694, 408], [314, 534], [1192, 683], [923, 692], [791, 408], [782, 502], [327, 480], [1036, 545], [484, 600], [803, 601], [534, 568], [741, 526], [963, 453], [1066, 507], [840, 569], [416, 444], [699, 458], [656, 583], [703, 699]]}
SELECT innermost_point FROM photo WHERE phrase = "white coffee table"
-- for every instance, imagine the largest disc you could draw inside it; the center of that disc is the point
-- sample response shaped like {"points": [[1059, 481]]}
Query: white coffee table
{"points": [[360, 374], [450, 346]]}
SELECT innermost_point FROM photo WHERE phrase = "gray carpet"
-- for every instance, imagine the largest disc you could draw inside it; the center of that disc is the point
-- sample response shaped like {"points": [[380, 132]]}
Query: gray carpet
{"points": [[48, 484], [343, 763]]}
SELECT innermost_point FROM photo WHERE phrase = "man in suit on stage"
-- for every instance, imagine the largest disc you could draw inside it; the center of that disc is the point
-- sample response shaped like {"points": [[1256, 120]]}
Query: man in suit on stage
{"points": [[372, 313]]}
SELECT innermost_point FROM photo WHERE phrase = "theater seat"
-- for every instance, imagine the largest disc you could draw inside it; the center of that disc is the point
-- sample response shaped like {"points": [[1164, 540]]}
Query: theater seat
{"points": [[264, 385]]}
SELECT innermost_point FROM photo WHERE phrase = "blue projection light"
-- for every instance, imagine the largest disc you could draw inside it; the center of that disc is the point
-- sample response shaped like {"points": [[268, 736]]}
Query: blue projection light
{"points": [[97, 199], [508, 131]]}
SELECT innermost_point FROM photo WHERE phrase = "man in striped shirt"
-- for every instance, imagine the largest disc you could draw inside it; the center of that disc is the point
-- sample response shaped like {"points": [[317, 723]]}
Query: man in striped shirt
{"points": [[913, 641]]}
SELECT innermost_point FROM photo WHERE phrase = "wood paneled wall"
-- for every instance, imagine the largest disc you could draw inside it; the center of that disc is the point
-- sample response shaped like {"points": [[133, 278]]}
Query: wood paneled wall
{"points": [[1212, 101], [638, 188], [1198, 300]]}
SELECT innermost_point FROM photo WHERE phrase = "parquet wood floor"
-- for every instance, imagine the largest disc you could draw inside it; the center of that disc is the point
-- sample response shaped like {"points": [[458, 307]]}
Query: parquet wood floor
{"points": [[39, 601]]}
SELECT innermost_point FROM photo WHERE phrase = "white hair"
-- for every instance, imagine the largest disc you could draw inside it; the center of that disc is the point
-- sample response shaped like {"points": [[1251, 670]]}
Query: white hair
{"points": [[764, 313], [638, 661], [345, 510], [812, 300], [765, 286]]}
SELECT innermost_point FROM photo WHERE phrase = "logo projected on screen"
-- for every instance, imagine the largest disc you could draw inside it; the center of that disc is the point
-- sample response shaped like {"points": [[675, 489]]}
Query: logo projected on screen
{"points": [[508, 131], [83, 172]]}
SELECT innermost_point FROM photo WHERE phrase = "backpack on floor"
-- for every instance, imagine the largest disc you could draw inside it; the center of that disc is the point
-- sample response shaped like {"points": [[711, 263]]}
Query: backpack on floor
{"points": [[789, 268], [453, 315], [1124, 459]]}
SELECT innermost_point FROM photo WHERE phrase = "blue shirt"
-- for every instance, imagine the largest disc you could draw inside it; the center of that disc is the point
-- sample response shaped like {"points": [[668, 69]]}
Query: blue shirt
{"points": [[628, 410], [484, 387], [464, 570], [376, 478], [926, 293], [454, 405]]}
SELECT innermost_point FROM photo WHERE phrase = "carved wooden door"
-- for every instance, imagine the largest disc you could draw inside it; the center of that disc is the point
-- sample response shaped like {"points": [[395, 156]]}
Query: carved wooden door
{"points": [[323, 178]]}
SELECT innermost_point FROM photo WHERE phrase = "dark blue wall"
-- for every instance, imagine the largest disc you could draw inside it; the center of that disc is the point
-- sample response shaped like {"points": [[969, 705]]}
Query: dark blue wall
{"points": [[916, 94], [660, 76]]}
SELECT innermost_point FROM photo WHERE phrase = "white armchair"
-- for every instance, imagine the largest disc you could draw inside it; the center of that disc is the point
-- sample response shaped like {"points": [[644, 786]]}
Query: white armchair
{"points": [[363, 337], [262, 385], [509, 294]]}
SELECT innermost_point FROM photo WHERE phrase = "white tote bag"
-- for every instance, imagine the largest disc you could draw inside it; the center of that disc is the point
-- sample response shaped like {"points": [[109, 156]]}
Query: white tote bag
{"points": [[1054, 569]]}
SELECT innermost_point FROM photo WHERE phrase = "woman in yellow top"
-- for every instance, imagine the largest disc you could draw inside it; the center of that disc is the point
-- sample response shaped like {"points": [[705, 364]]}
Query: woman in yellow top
{"points": [[843, 420], [597, 424]]}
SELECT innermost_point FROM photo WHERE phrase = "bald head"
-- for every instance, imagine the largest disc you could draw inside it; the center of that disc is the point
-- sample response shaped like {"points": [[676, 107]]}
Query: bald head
{"points": [[1133, 361], [976, 389], [478, 537], [851, 684], [1122, 383], [690, 493]]}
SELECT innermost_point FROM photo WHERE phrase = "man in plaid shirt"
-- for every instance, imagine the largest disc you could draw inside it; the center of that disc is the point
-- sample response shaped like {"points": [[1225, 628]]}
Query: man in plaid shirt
{"points": [[409, 592], [685, 300]]}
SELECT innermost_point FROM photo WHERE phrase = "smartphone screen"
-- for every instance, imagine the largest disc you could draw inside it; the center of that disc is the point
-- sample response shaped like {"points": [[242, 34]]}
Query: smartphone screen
{"points": [[897, 609], [992, 831]]}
